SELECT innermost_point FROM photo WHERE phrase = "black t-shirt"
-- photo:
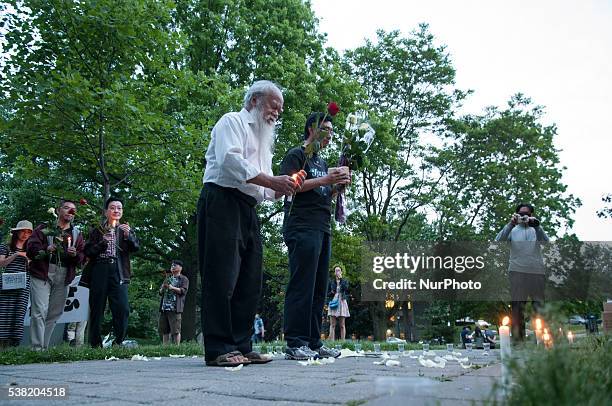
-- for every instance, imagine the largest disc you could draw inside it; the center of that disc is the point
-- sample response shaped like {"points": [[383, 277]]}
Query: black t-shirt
{"points": [[311, 209]]}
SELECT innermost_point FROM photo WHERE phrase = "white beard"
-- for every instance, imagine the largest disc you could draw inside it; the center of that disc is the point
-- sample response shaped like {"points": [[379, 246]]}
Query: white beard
{"points": [[265, 134]]}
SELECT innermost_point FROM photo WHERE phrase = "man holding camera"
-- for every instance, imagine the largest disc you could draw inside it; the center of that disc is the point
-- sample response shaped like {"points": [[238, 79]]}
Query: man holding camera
{"points": [[173, 292], [526, 265]]}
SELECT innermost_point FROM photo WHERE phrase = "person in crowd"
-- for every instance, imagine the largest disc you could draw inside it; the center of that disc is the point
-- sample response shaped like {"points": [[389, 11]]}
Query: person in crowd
{"points": [[307, 235], [14, 301], [56, 250], [109, 272], [526, 265], [173, 292], [338, 309], [238, 176], [466, 335], [258, 329]]}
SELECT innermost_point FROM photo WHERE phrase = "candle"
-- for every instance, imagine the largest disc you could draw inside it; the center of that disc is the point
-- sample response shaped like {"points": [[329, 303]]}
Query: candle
{"points": [[504, 343], [69, 241], [546, 338], [538, 330], [570, 337]]}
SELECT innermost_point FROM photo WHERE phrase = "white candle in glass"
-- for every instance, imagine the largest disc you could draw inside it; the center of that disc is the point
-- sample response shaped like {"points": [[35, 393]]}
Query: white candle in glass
{"points": [[547, 339], [504, 344], [538, 330]]}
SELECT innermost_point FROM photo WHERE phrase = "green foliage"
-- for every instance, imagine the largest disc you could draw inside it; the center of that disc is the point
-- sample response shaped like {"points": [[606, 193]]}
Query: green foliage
{"points": [[564, 375], [65, 353], [606, 212], [495, 162]]}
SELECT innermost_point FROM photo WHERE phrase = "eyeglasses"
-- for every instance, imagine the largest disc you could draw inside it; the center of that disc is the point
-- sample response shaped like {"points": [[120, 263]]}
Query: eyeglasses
{"points": [[328, 131]]}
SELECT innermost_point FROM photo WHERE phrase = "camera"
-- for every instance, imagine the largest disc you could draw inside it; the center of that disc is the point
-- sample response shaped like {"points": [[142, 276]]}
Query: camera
{"points": [[525, 219], [522, 219]]}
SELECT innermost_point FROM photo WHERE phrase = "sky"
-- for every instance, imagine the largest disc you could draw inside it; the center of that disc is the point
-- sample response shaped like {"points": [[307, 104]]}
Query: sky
{"points": [[557, 52]]}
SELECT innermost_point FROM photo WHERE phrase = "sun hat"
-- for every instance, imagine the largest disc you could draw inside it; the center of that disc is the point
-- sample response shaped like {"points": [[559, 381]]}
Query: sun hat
{"points": [[23, 225]]}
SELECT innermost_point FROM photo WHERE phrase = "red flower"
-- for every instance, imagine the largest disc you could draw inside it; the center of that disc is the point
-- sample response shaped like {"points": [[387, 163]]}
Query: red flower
{"points": [[332, 108], [83, 202], [72, 211]]}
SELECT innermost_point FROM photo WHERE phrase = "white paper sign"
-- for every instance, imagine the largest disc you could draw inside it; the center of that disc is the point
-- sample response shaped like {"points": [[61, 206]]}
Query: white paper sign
{"points": [[76, 307], [13, 280]]}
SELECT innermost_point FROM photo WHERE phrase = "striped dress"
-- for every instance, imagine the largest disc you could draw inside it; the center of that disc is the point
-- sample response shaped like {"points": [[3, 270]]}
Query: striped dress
{"points": [[13, 302]]}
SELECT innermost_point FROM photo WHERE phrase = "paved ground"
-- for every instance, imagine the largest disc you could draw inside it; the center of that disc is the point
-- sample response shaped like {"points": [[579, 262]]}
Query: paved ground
{"points": [[185, 381]]}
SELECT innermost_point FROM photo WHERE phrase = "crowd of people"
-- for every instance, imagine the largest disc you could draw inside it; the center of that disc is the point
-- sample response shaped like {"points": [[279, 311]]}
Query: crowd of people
{"points": [[238, 176]]}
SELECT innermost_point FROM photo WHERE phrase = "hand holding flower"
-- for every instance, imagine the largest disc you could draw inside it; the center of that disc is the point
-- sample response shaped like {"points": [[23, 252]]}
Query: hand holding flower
{"points": [[125, 228], [299, 178]]}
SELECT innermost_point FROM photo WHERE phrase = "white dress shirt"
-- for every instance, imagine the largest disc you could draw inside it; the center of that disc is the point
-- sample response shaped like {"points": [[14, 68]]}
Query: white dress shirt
{"points": [[234, 155]]}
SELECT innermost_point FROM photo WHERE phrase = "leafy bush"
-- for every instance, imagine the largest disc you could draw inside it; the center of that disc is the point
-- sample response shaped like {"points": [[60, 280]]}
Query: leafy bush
{"points": [[564, 375]]}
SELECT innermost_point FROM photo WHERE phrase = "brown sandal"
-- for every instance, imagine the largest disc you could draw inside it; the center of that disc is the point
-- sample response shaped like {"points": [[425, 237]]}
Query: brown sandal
{"points": [[257, 358], [224, 360]]}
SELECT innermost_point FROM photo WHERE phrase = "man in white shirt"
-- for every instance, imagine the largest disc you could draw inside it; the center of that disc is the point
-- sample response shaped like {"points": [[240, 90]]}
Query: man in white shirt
{"points": [[238, 176]]}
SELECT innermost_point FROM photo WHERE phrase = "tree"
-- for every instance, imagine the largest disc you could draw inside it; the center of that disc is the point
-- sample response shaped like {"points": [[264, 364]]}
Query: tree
{"points": [[606, 212], [496, 161], [408, 86]]}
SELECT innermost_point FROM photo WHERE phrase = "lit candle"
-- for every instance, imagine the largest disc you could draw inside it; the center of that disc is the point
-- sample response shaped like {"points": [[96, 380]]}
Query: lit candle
{"points": [[546, 339], [538, 330], [69, 241], [570, 337], [504, 343]]}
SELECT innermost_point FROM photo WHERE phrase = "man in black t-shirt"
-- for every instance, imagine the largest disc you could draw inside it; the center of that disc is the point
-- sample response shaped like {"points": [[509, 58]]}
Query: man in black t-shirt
{"points": [[307, 234]]}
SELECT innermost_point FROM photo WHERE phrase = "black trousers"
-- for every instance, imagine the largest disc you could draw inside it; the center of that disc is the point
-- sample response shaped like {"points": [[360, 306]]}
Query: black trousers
{"points": [[230, 259], [524, 286], [309, 254], [105, 285]]}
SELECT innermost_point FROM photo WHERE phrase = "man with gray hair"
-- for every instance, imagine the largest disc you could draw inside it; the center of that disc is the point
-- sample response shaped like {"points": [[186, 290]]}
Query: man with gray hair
{"points": [[238, 176]]}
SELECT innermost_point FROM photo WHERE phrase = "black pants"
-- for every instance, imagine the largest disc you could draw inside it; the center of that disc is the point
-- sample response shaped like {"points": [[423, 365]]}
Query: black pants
{"points": [[524, 286], [105, 284], [230, 259], [309, 253]]}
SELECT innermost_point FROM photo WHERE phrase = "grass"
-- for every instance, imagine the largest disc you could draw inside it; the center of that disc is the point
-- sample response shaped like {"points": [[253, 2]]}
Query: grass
{"points": [[564, 375], [65, 353]]}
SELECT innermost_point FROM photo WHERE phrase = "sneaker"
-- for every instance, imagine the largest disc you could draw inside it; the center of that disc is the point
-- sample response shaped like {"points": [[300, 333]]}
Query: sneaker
{"points": [[300, 354], [326, 352]]}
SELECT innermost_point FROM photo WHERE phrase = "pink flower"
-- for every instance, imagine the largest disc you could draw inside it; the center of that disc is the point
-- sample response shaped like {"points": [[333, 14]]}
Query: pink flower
{"points": [[333, 109], [83, 202]]}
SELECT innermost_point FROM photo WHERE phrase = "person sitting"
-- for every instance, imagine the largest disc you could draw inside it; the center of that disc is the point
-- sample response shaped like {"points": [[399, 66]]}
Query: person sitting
{"points": [[478, 338], [489, 337], [466, 335]]}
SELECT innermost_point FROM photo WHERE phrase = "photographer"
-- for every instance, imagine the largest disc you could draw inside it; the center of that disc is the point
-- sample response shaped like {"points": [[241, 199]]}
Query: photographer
{"points": [[526, 266], [172, 303]]}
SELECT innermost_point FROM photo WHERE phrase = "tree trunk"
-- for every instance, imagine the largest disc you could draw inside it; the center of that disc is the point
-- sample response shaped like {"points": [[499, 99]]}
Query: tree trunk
{"points": [[189, 256], [379, 320]]}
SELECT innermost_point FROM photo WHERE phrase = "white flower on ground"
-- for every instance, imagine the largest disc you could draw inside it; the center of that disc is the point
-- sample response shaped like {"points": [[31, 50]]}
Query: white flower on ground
{"points": [[234, 369]]}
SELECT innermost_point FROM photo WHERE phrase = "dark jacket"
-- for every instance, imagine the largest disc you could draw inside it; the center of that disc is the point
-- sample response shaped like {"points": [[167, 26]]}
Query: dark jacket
{"points": [[183, 284], [344, 291], [39, 268], [96, 245]]}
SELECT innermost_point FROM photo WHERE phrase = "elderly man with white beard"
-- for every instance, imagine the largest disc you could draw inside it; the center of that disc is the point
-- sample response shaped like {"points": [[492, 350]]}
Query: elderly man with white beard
{"points": [[238, 176]]}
